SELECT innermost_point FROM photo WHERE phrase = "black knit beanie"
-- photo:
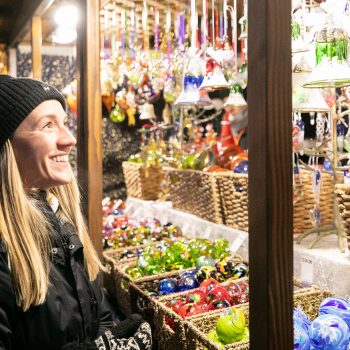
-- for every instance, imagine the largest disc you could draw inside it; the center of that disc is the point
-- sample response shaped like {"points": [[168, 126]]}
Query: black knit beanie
{"points": [[18, 97]]}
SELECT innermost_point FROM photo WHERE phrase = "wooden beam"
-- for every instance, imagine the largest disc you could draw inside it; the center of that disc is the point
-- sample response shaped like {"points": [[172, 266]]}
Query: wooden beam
{"points": [[270, 175], [90, 117], [36, 47], [21, 24]]}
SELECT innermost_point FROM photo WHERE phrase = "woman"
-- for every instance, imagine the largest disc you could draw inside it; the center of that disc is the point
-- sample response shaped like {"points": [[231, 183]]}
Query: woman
{"points": [[49, 291]]}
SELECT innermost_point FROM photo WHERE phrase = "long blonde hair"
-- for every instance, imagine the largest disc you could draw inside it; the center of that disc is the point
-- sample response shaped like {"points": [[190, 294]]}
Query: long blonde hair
{"points": [[25, 232]]}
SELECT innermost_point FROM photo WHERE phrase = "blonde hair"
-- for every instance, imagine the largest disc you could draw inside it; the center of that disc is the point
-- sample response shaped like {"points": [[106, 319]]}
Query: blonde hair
{"points": [[25, 232]]}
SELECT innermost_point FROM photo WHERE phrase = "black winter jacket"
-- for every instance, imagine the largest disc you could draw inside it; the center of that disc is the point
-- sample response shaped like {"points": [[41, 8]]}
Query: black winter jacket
{"points": [[74, 309]]}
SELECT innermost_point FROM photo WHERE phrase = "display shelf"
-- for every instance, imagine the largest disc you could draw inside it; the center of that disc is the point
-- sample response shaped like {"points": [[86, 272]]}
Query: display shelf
{"points": [[191, 225], [324, 265]]}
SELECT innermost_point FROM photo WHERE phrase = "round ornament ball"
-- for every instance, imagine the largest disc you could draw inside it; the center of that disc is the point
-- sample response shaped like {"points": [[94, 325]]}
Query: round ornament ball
{"points": [[301, 338], [167, 285], [205, 261], [187, 283], [205, 272], [336, 306], [329, 332], [230, 328]]}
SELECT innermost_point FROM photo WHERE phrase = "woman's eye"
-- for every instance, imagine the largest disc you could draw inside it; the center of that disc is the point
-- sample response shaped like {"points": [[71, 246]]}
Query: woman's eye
{"points": [[48, 125]]}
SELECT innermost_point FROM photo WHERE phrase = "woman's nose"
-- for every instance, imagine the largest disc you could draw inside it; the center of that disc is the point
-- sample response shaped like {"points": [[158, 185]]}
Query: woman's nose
{"points": [[66, 138]]}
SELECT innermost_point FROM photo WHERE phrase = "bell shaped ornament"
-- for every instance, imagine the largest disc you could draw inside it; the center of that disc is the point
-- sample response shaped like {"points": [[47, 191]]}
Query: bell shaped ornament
{"points": [[332, 47], [147, 112], [214, 78], [191, 95], [235, 99], [306, 100]]}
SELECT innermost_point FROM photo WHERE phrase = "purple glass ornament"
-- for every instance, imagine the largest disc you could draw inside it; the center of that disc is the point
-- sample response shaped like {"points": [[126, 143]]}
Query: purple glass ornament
{"points": [[187, 283]]}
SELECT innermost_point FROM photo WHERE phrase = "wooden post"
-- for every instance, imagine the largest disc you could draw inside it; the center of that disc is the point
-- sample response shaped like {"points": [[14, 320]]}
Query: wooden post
{"points": [[36, 47], [270, 175], [89, 117]]}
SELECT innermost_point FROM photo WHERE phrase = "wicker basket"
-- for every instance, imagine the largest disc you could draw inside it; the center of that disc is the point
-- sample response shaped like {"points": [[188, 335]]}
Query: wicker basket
{"points": [[343, 197], [175, 337], [301, 218], [196, 327], [121, 286], [139, 291], [141, 182], [196, 192], [234, 198]]}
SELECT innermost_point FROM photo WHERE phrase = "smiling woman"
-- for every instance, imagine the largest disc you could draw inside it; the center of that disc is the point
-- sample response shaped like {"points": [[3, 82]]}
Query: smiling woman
{"points": [[42, 144], [50, 297]]}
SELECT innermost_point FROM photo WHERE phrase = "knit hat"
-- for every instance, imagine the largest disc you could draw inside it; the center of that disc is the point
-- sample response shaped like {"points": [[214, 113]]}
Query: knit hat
{"points": [[18, 97]]}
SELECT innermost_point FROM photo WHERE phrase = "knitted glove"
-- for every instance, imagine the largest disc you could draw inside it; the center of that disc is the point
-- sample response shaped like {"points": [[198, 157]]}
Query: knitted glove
{"points": [[131, 334], [141, 340]]}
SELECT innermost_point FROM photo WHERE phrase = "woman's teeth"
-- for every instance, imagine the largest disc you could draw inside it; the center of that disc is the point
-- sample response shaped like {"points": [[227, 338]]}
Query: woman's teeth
{"points": [[60, 158]]}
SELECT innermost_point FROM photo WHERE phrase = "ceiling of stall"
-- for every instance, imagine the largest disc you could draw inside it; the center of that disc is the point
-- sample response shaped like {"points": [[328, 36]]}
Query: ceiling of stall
{"points": [[15, 15]]}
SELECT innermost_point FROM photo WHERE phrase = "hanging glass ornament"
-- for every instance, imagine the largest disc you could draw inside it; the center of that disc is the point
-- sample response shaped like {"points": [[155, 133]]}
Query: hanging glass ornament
{"points": [[306, 100], [315, 213], [117, 115], [147, 112], [235, 99], [340, 136], [332, 69], [214, 78]]}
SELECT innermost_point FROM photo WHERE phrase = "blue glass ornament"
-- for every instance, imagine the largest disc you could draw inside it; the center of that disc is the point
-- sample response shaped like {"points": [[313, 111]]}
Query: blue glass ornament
{"points": [[301, 125], [241, 167], [301, 338], [327, 166], [300, 317], [336, 306], [329, 332], [192, 83], [187, 283], [340, 129], [188, 273], [167, 285]]}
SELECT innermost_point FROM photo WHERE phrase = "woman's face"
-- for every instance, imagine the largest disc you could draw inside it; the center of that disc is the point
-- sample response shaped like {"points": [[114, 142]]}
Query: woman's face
{"points": [[41, 145]]}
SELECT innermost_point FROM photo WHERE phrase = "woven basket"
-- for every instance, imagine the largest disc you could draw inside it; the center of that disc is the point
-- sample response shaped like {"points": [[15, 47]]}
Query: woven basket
{"points": [[196, 192], [234, 198], [301, 217], [343, 197], [196, 327], [139, 291], [121, 286], [175, 337], [141, 182], [112, 260]]}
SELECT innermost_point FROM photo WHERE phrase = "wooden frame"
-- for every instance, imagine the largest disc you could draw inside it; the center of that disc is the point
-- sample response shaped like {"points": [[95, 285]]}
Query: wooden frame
{"points": [[270, 175], [90, 117]]}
